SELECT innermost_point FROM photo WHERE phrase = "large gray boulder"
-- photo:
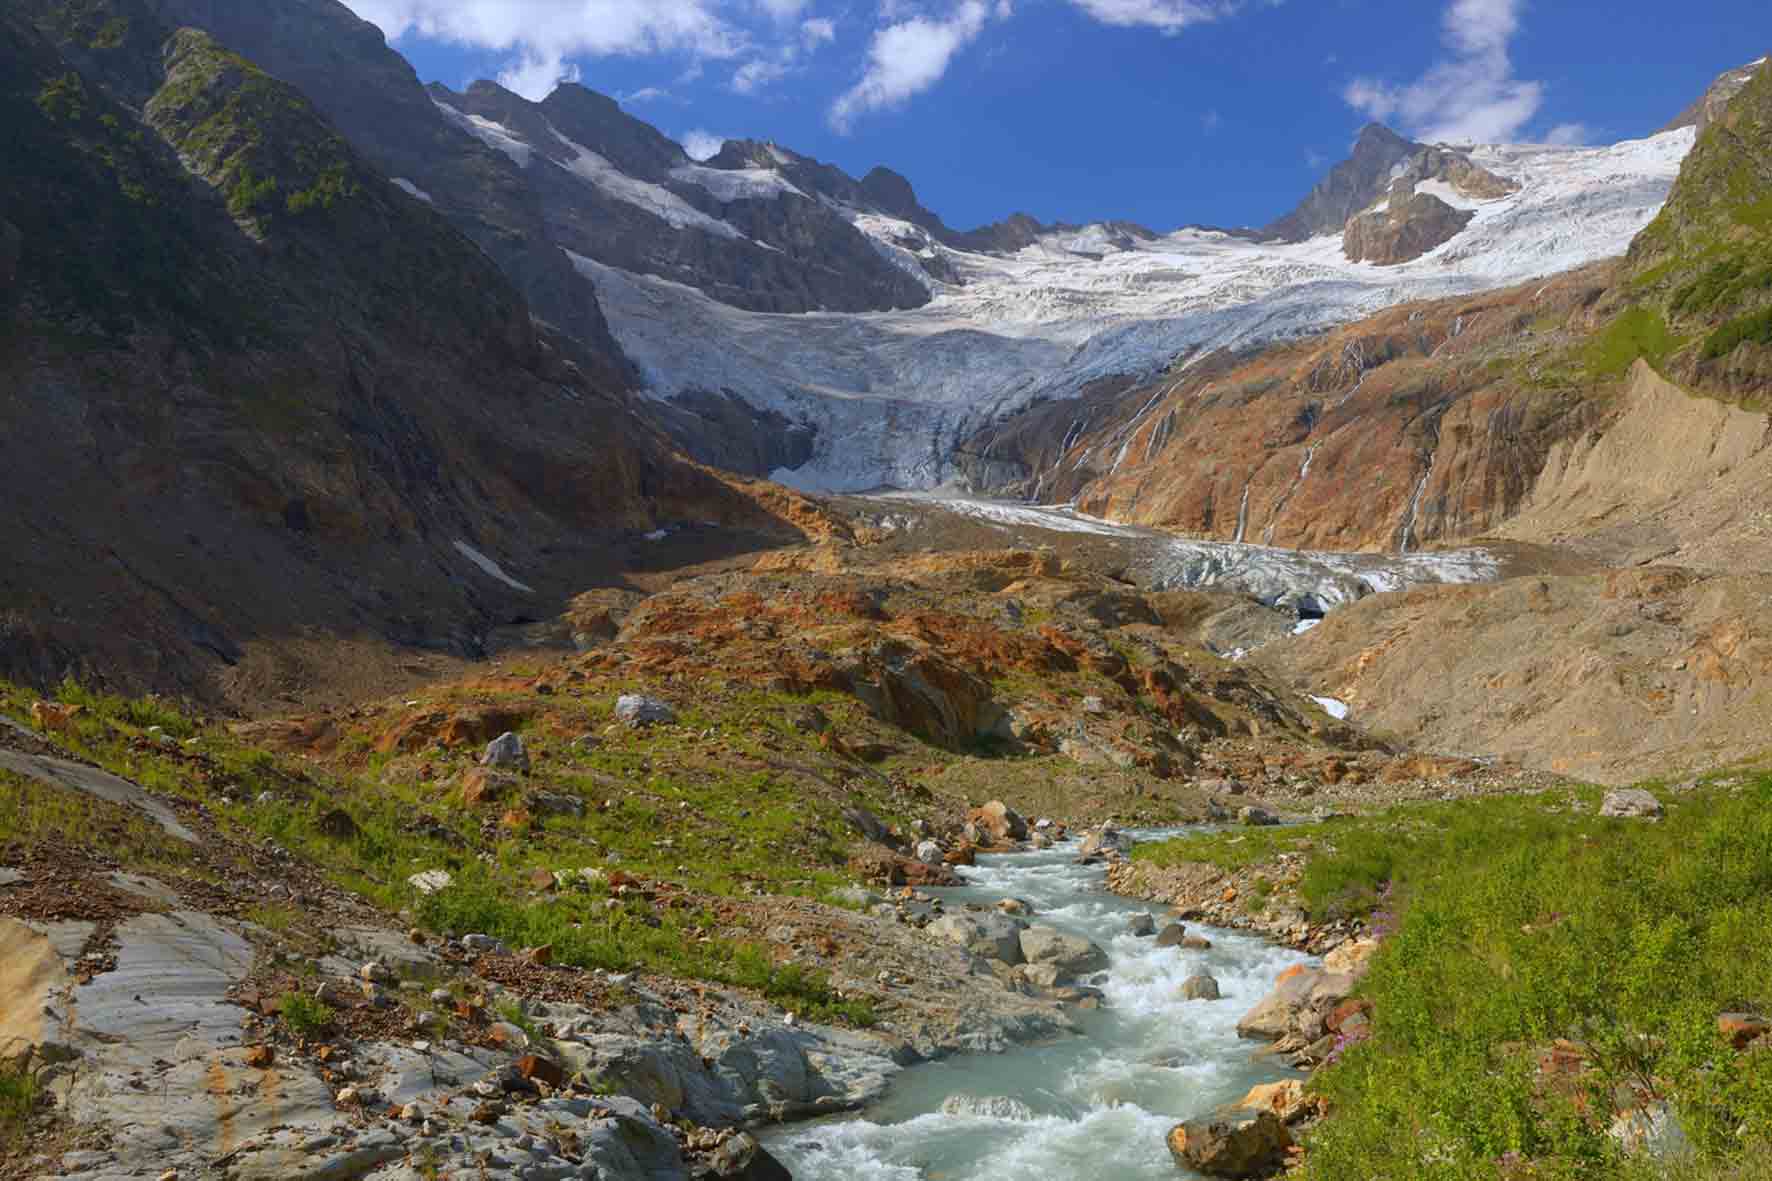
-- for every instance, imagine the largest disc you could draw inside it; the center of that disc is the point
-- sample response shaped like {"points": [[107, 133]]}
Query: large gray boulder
{"points": [[1072, 955], [506, 753], [993, 936], [637, 711], [1631, 803]]}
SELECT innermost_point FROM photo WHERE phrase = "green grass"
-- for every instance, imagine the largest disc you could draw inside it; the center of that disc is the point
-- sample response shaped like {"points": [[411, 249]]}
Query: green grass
{"points": [[585, 933], [305, 1016], [672, 812], [19, 1095], [1514, 925], [1637, 332], [1750, 329]]}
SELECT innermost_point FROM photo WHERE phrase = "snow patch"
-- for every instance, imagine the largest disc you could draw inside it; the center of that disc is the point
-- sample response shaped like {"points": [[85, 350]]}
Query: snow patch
{"points": [[1335, 709], [490, 567], [493, 135], [657, 200], [1447, 193], [739, 184], [413, 190]]}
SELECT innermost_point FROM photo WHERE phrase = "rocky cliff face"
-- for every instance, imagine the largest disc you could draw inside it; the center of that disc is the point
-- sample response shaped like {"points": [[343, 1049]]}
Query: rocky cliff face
{"points": [[1409, 225], [1708, 106], [257, 394], [1412, 427], [614, 190], [1351, 186], [373, 97]]}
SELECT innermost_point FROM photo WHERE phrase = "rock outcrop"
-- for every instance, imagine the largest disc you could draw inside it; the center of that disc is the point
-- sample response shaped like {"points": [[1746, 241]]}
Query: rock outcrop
{"points": [[1706, 108], [1238, 1143], [1410, 225], [1351, 186]]}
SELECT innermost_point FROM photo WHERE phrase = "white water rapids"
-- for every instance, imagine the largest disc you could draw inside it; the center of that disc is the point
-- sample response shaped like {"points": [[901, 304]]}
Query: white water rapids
{"points": [[1092, 1108]]}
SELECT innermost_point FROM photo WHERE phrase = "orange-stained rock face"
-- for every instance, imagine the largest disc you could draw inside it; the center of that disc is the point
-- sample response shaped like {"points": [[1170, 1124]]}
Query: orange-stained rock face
{"points": [[1419, 425]]}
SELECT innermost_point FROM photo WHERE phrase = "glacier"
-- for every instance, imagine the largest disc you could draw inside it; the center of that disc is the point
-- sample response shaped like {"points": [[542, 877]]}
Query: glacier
{"points": [[889, 395]]}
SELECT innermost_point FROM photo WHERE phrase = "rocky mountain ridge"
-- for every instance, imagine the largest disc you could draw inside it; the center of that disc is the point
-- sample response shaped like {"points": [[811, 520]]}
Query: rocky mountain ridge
{"points": [[275, 402]]}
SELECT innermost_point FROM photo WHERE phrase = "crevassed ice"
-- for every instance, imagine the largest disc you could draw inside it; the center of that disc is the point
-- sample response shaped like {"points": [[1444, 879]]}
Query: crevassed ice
{"points": [[890, 394]]}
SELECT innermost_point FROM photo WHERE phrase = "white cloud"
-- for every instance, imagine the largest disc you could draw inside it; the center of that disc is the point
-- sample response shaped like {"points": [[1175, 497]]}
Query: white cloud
{"points": [[782, 10], [1171, 16], [534, 75], [1571, 135], [1469, 96], [646, 94], [1211, 121], [542, 34], [755, 75], [817, 31], [908, 58], [703, 145]]}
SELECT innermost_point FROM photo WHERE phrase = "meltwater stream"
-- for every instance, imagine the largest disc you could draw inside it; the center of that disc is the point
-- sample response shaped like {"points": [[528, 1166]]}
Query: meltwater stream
{"points": [[1091, 1108]]}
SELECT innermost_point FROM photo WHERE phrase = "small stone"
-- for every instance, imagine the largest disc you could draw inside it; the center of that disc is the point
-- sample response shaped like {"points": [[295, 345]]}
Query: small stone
{"points": [[537, 1069], [1631, 803], [430, 881], [638, 711], [259, 1057], [169, 1175], [541, 956], [1255, 817], [412, 1113], [506, 752], [1142, 925], [377, 972], [542, 880], [349, 1097], [1742, 1028], [506, 1036], [1200, 988], [1196, 943], [442, 996]]}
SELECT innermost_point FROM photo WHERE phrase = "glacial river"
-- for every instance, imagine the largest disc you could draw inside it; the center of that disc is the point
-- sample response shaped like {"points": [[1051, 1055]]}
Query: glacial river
{"points": [[1091, 1108]]}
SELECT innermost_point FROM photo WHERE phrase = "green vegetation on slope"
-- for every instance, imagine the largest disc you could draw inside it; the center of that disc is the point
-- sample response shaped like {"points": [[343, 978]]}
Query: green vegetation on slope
{"points": [[1705, 262], [713, 836], [1514, 922]]}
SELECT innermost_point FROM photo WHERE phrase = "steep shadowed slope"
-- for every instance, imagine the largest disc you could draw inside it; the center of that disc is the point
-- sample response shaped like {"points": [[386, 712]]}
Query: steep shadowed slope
{"points": [[255, 395]]}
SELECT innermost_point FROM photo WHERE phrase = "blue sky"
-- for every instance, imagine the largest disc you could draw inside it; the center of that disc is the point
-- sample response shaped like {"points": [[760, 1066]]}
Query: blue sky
{"points": [[1165, 112]]}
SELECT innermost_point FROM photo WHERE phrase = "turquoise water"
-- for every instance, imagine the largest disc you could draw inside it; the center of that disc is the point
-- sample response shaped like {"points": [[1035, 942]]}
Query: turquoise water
{"points": [[1093, 1108]]}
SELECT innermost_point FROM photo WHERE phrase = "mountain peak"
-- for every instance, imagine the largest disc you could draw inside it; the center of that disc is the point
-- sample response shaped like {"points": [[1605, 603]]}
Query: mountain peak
{"points": [[1350, 187], [1378, 134], [1716, 97]]}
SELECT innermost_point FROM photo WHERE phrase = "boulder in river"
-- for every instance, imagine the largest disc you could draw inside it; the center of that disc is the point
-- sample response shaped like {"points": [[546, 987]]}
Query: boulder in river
{"points": [[1072, 955], [991, 935], [1256, 817], [1172, 935], [1200, 988], [1239, 1143], [999, 822], [1142, 925]]}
